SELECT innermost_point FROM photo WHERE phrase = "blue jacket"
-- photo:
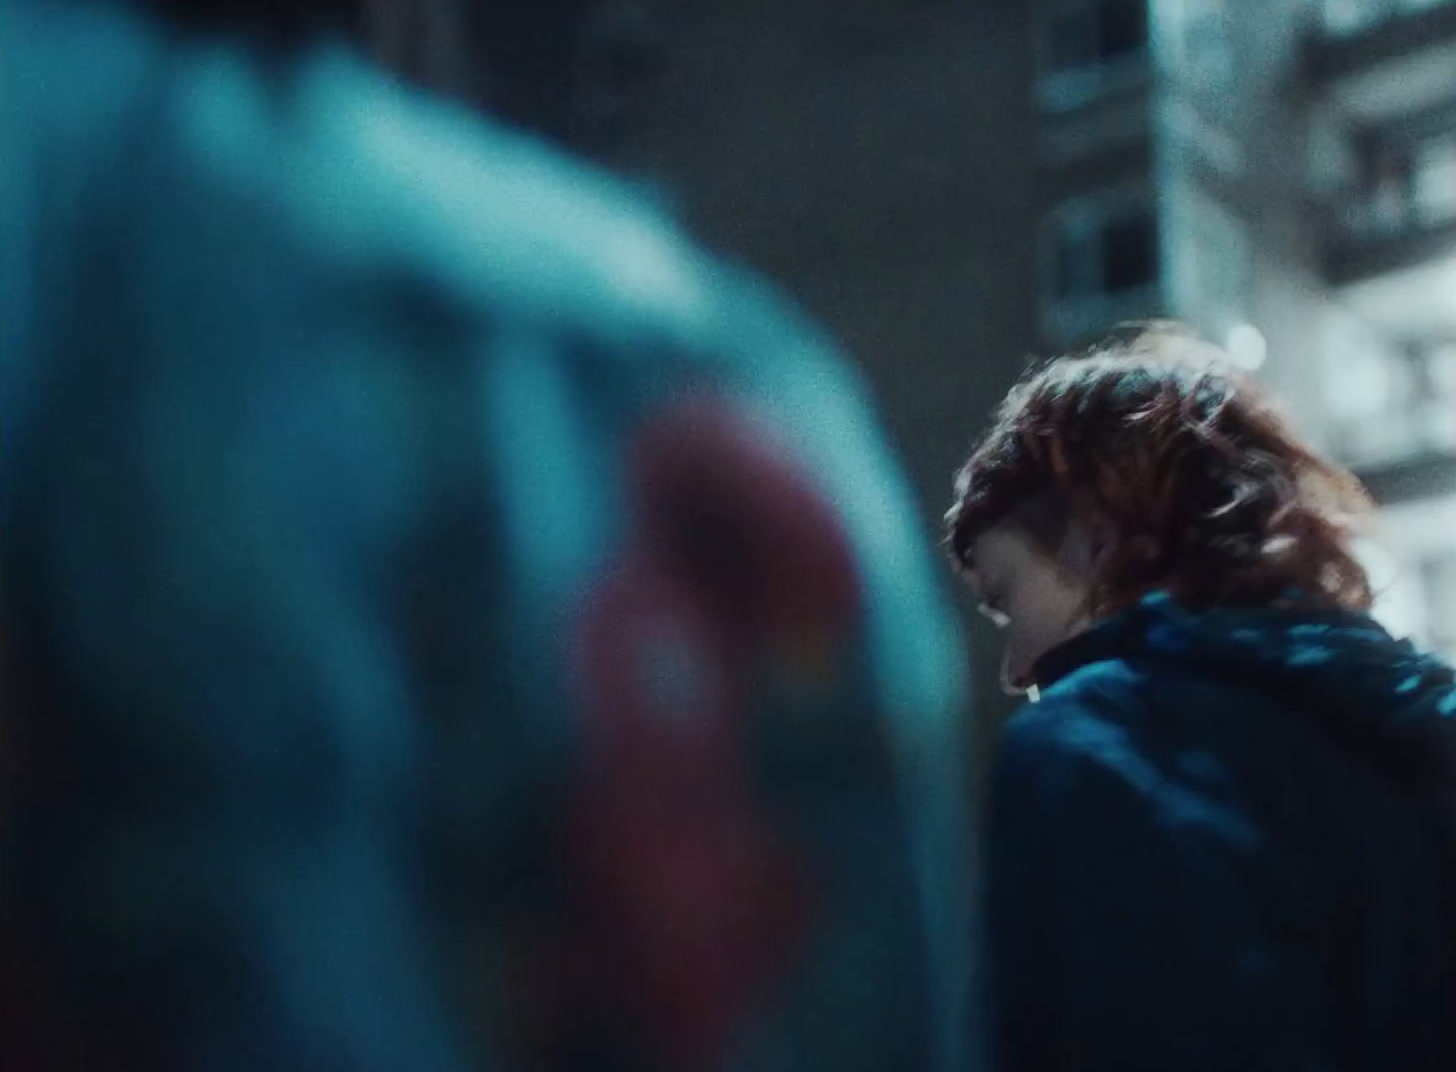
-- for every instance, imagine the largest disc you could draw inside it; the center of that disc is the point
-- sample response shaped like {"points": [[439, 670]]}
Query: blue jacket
{"points": [[1227, 840], [457, 615]]}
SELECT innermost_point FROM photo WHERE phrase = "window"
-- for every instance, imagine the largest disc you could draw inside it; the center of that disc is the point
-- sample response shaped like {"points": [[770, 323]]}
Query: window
{"points": [[1094, 33], [1101, 262], [1387, 403], [1088, 47], [1402, 187], [1129, 253], [1122, 29], [1103, 251]]}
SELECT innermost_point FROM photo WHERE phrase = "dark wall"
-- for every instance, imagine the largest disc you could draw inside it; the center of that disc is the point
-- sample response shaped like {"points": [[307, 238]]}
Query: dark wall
{"points": [[878, 159]]}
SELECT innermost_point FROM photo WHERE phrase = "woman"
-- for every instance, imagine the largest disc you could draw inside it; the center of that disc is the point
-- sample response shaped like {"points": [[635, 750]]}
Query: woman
{"points": [[1225, 837]]}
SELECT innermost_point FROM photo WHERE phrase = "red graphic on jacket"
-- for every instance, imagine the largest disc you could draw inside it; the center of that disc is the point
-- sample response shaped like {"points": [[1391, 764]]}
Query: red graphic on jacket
{"points": [[735, 559]]}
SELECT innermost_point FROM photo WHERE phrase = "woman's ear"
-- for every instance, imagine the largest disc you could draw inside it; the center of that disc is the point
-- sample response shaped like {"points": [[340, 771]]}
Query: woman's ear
{"points": [[1082, 548]]}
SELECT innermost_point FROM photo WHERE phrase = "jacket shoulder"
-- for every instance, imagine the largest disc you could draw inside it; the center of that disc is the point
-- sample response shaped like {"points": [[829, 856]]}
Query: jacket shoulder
{"points": [[381, 178], [1114, 734]]}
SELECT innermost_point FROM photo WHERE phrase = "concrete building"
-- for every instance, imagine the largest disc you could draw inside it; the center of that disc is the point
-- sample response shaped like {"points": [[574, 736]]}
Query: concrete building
{"points": [[951, 187], [1281, 173], [1383, 78]]}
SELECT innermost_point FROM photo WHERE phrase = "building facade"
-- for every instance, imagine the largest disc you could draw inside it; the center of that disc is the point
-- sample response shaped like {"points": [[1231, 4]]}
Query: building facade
{"points": [[952, 188], [1282, 174]]}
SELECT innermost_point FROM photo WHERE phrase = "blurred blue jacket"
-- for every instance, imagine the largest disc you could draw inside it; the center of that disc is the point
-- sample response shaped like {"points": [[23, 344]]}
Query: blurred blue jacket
{"points": [[1227, 840], [320, 408]]}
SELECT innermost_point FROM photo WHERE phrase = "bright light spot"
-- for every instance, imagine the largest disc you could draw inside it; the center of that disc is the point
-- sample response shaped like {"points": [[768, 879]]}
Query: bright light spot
{"points": [[1363, 387], [1246, 346], [1398, 604], [1343, 17], [1380, 564]]}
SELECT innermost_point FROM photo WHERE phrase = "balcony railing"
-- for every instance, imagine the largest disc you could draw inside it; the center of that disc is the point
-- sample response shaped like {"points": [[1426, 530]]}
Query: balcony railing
{"points": [[1403, 213], [1394, 413], [1381, 59], [1349, 18], [1415, 200]]}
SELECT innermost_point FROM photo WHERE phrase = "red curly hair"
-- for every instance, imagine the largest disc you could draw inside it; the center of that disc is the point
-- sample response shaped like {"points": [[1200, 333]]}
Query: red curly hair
{"points": [[1201, 485]]}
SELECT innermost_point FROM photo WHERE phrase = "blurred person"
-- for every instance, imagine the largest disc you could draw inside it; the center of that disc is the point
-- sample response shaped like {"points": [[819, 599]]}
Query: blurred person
{"points": [[1225, 836], [450, 622]]}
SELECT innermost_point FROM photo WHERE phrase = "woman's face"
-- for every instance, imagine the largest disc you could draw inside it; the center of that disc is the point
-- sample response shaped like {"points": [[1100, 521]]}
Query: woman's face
{"points": [[1037, 599]]}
